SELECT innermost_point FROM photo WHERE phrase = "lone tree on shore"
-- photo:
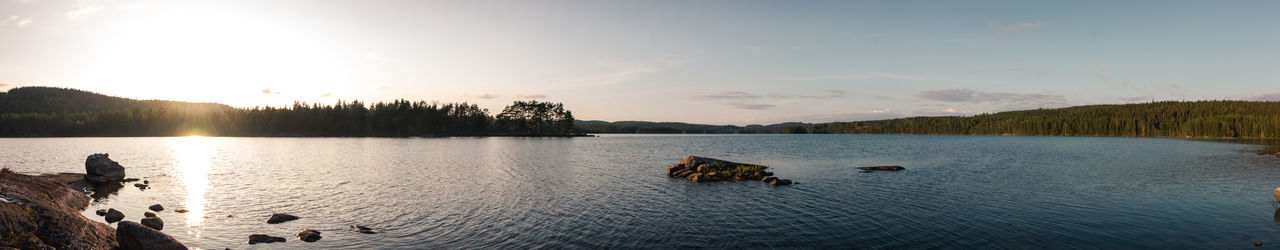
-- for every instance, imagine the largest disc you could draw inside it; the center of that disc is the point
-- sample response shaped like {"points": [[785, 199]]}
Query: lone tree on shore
{"points": [[536, 118]]}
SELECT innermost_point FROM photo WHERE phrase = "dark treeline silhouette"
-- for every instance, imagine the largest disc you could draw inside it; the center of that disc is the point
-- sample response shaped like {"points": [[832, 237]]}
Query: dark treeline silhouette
{"points": [[1220, 119], [45, 111]]}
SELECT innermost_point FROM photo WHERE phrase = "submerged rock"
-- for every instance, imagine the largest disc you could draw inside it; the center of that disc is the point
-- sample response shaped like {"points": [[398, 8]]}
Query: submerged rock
{"points": [[153, 222], [156, 207], [309, 235], [876, 168], [280, 218], [704, 170], [114, 215], [132, 235], [181, 210], [363, 229], [100, 169], [262, 238]]}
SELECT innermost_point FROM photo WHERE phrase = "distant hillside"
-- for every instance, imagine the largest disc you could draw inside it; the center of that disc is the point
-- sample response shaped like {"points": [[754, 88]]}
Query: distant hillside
{"points": [[1221, 119], [49, 100]]}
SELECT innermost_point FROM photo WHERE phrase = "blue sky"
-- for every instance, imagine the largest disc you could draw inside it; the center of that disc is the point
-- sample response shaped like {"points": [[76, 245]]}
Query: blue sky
{"points": [[720, 62]]}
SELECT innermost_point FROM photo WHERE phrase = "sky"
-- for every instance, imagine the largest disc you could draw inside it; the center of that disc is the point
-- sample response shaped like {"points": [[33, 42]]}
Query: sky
{"points": [[714, 62]]}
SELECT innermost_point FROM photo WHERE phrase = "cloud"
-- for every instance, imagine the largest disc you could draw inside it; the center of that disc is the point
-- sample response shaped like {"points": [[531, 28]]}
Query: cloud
{"points": [[384, 87], [16, 21], [269, 92], [535, 96], [7, 86], [481, 96], [1102, 66], [879, 111], [76, 14], [752, 106], [623, 72], [1009, 101], [727, 95], [830, 93], [326, 95], [1015, 28], [373, 56], [1269, 97], [865, 75]]}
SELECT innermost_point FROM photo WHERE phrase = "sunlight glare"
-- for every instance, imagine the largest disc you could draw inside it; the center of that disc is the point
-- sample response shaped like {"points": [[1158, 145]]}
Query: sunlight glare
{"points": [[193, 155]]}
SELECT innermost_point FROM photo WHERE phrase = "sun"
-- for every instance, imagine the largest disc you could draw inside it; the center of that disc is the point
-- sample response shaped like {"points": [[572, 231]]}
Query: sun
{"points": [[215, 54]]}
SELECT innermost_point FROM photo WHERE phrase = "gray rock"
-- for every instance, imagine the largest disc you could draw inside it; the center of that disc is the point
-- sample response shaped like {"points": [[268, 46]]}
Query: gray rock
{"points": [[309, 235], [280, 218], [262, 238], [153, 222], [156, 207], [114, 215], [132, 235], [100, 169]]}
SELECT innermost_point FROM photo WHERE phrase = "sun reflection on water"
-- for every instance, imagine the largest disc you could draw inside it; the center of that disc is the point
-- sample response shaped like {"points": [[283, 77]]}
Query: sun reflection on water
{"points": [[193, 156]]}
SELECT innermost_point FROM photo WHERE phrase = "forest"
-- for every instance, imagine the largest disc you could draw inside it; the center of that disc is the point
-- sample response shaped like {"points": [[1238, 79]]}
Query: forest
{"points": [[60, 112]]}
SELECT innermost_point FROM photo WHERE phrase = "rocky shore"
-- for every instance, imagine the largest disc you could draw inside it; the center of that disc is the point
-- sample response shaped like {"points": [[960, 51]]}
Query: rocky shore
{"points": [[703, 170]]}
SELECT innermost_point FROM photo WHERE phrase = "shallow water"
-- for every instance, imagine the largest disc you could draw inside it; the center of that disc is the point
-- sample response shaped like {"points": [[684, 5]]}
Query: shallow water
{"points": [[612, 191]]}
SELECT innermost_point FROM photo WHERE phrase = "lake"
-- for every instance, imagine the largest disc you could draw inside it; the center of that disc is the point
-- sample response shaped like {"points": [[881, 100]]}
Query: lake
{"points": [[612, 191]]}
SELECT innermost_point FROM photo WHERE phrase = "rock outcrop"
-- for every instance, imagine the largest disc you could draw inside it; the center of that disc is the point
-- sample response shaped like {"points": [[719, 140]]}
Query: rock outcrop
{"points": [[262, 238], [309, 235], [280, 218], [703, 170], [136, 236], [41, 212], [99, 169], [882, 168]]}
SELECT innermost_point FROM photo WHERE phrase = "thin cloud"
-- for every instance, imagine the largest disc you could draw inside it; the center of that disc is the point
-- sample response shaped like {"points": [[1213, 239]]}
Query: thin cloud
{"points": [[727, 95], [752, 106], [830, 94], [77, 14], [535, 96], [269, 92], [1269, 97], [16, 21], [623, 72], [326, 95], [481, 96], [1016, 28], [383, 87], [1009, 101], [1102, 66]]}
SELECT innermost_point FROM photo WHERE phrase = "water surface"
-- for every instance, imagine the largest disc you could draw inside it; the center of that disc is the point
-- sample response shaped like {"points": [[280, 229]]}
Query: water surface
{"points": [[612, 191]]}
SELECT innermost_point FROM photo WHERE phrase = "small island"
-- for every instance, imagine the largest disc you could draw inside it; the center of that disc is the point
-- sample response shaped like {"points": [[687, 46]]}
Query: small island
{"points": [[703, 170]]}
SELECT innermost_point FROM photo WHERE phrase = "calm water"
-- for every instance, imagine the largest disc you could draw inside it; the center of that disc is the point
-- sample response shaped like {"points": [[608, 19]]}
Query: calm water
{"points": [[612, 191]]}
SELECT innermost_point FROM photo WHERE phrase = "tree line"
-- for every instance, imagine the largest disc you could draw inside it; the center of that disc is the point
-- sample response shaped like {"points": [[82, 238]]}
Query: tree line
{"points": [[44, 111]]}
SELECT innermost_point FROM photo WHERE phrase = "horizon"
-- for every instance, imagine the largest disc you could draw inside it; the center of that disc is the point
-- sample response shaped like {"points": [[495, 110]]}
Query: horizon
{"points": [[731, 63]]}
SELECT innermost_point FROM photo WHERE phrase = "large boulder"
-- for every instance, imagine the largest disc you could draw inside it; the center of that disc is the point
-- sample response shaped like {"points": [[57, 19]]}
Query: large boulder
{"points": [[100, 169], [114, 215], [132, 235]]}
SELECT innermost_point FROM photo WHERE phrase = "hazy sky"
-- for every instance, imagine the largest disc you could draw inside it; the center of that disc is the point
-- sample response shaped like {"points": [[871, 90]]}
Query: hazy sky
{"points": [[722, 62]]}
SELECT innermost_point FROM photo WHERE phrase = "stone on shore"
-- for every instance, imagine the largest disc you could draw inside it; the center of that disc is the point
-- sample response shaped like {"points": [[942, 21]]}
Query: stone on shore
{"points": [[262, 238], [309, 235], [280, 218], [114, 215], [156, 207], [136, 236], [99, 169], [153, 222]]}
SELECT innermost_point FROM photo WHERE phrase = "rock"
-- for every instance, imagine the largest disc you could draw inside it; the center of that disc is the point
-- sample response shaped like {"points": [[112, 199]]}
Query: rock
{"points": [[697, 178], [146, 182], [100, 169], [769, 179], [101, 212], [148, 214], [309, 235], [114, 215], [875, 168], [262, 238], [140, 185], [153, 222], [129, 180], [280, 218], [156, 207], [132, 235], [44, 213], [780, 182], [363, 229], [1257, 243], [181, 210]]}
